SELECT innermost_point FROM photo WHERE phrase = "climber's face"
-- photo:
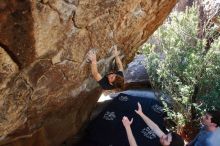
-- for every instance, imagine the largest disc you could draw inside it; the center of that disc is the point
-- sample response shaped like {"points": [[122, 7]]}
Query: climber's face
{"points": [[111, 77]]}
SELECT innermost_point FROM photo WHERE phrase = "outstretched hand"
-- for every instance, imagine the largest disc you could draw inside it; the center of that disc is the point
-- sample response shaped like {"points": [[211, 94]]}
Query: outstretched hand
{"points": [[126, 121], [92, 56], [115, 51], [166, 139], [139, 110]]}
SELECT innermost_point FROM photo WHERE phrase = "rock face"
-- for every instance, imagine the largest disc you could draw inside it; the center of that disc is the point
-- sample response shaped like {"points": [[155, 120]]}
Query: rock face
{"points": [[47, 91], [136, 76], [136, 71]]}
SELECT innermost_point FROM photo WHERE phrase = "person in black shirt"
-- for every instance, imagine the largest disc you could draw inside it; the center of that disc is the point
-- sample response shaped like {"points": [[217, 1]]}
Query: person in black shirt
{"points": [[113, 80]]}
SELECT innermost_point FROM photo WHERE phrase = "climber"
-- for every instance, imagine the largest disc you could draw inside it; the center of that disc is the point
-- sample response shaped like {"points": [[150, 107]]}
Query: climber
{"points": [[113, 80]]}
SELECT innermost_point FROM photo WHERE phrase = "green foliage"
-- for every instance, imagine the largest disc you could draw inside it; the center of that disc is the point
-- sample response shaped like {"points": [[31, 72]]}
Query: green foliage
{"points": [[178, 64], [210, 81]]}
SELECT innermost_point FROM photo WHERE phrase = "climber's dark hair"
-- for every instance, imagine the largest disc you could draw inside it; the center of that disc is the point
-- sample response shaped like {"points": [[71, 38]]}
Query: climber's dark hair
{"points": [[119, 82]]}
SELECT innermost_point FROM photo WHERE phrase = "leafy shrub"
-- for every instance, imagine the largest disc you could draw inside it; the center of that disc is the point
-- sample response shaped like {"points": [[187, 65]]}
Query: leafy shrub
{"points": [[179, 64]]}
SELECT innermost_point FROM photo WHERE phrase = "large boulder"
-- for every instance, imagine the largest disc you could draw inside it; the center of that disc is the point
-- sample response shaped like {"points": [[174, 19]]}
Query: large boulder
{"points": [[136, 76], [46, 88]]}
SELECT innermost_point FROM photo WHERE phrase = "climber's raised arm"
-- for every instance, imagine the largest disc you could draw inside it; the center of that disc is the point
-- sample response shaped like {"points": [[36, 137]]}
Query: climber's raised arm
{"points": [[110, 81], [117, 59], [154, 127], [94, 69]]}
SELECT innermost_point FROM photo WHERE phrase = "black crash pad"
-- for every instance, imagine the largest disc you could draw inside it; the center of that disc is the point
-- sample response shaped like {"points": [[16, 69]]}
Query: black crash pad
{"points": [[107, 129]]}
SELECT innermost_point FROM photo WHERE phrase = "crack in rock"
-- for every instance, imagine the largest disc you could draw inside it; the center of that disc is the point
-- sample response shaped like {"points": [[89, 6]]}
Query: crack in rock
{"points": [[64, 9]]}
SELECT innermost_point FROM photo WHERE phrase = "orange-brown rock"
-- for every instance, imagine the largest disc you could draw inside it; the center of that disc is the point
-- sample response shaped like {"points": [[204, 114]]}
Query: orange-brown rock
{"points": [[46, 91]]}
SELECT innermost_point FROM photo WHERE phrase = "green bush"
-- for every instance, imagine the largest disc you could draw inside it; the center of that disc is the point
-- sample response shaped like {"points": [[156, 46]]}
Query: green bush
{"points": [[180, 65]]}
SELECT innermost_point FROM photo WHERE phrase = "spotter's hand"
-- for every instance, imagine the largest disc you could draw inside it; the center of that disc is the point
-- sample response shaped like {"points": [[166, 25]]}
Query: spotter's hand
{"points": [[139, 110], [126, 121]]}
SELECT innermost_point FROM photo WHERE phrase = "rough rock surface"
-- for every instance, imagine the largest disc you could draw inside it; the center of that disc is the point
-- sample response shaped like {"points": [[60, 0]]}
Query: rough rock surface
{"points": [[136, 71], [136, 74], [46, 91]]}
